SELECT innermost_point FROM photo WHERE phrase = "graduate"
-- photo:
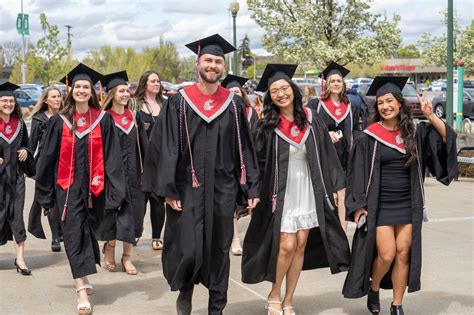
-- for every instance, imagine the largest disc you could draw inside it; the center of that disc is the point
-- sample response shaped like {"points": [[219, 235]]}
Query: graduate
{"points": [[148, 102], [16, 161], [126, 222], [48, 105], [385, 195], [201, 150], [234, 84], [295, 226], [79, 174]]}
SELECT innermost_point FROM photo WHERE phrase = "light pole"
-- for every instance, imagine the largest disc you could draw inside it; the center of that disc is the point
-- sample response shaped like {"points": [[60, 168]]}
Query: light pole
{"points": [[234, 9], [449, 66]]}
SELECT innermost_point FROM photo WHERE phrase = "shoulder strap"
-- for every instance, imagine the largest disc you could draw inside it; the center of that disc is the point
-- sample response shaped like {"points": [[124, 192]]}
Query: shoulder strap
{"points": [[372, 164]]}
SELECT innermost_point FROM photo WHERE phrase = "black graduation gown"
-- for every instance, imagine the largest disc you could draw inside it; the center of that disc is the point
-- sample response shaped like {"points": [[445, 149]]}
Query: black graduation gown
{"points": [[343, 147], [38, 127], [197, 239], [327, 245], [442, 163], [81, 222], [12, 187], [126, 222]]}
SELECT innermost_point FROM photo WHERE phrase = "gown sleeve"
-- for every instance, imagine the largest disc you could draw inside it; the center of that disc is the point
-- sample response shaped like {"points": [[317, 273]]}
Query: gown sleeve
{"points": [[261, 145], [161, 157], [253, 122], [34, 135], [439, 157], [46, 165], [357, 177], [115, 183]]}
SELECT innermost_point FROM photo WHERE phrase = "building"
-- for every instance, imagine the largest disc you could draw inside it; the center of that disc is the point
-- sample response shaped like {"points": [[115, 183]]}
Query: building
{"points": [[416, 69]]}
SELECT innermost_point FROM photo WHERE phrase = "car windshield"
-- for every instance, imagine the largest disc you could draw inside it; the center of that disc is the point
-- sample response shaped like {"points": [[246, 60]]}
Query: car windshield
{"points": [[409, 91], [33, 93]]}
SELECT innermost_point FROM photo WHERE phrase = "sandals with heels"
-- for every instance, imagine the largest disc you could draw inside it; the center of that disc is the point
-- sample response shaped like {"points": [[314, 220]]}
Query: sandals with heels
{"points": [[85, 307], [24, 271], [373, 301], [110, 266], [290, 308], [272, 309], [157, 244], [130, 271], [236, 249]]}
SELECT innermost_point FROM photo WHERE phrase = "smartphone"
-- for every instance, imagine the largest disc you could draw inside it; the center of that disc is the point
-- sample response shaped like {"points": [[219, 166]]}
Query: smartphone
{"points": [[339, 134], [362, 221]]}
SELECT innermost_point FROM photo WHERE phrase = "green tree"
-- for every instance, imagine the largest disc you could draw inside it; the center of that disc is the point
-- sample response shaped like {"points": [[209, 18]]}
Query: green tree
{"points": [[409, 51], [187, 69], [318, 31], [165, 60], [245, 53]]}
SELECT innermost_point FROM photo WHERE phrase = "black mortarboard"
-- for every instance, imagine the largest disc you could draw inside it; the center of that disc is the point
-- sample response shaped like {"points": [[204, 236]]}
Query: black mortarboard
{"points": [[112, 80], [231, 81], [274, 72], [386, 84], [333, 68], [7, 88], [81, 72], [214, 45]]}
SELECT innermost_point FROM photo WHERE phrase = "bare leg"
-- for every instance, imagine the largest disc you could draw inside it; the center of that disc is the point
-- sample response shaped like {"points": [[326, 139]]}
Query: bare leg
{"points": [[20, 254], [294, 270], [386, 249], [403, 234], [236, 247], [82, 296], [109, 255], [285, 257], [126, 259]]}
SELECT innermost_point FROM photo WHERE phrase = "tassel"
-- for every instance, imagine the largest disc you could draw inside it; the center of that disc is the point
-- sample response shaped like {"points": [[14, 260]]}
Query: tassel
{"points": [[330, 206], [425, 215], [90, 201], [100, 93], [322, 87], [243, 175], [63, 216], [67, 85], [195, 179], [274, 203]]}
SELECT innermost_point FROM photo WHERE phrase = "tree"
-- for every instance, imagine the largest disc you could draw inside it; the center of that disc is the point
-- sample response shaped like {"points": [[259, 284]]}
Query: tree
{"points": [[165, 60], [409, 51], [187, 69], [318, 31], [9, 51], [435, 48], [245, 53]]}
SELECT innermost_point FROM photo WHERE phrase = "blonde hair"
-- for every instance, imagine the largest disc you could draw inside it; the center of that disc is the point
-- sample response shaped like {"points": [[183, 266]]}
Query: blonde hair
{"points": [[41, 104], [109, 100], [309, 92], [327, 92]]}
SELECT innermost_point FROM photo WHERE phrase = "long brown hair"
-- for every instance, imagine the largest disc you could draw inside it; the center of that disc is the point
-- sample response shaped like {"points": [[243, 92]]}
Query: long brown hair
{"points": [[41, 104], [109, 100], [327, 92], [141, 89], [245, 97], [16, 110], [69, 109], [405, 124]]}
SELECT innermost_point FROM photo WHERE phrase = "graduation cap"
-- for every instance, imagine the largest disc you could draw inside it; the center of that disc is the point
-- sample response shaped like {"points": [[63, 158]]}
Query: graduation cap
{"points": [[112, 80], [386, 84], [333, 68], [7, 88], [231, 81], [274, 72], [214, 45], [82, 72]]}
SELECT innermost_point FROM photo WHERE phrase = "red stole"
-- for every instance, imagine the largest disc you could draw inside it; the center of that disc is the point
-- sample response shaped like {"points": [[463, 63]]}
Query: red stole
{"points": [[10, 130], [86, 124], [391, 138], [291, 133], [123, 121], [208, 107], [337, 113]]}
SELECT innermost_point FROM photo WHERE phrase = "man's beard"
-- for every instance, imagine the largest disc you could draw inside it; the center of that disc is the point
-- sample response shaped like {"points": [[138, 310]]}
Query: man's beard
{"points": [[205, 77]]}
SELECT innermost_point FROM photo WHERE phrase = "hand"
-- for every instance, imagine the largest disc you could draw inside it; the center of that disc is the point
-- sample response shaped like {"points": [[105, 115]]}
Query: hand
{"points": [[1, 161], [334, 137], [174, 204], [336, 199], [252, 203], [426, 107], [22, 155], [358, 214]]}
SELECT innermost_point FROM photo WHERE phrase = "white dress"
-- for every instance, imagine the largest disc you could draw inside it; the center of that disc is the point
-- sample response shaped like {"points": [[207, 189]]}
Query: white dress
{"points": [[299, 208]]}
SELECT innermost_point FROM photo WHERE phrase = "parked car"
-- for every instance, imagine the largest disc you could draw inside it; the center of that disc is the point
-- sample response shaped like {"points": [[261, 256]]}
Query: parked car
{"points": [[468, 84], [28, 97], [421, 87], [439, 104], [32, 86], [410, 95], [169, 88], [438, 86]]}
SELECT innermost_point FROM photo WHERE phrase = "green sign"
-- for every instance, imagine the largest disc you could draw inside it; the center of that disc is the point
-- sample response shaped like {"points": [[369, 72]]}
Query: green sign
{"points": [[22, 24]]}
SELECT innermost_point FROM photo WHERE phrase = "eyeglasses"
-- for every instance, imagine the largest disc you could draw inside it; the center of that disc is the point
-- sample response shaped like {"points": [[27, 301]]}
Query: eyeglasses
{"points": [[283, 89]]}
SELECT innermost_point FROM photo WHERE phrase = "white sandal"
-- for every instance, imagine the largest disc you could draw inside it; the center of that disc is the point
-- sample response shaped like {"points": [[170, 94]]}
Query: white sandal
{"points": [[271, 309], [89, 288], [289, 308], [85, 307], [236, 250]]}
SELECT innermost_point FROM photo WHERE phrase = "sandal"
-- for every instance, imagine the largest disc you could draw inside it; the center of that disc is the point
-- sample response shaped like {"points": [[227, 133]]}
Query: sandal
{"points": [[236, 249], [157, 244], [85, 307], [110, 266], [131, 271], [290, 308], [272, 309]]}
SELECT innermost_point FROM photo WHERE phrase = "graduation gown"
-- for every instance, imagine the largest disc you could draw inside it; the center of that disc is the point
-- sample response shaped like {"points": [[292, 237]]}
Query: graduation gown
{"points": [[197, 239], [126, 222], [81, 222], [12, 182], [439, 157], [327, 244], [346, 125], [38, 127]]}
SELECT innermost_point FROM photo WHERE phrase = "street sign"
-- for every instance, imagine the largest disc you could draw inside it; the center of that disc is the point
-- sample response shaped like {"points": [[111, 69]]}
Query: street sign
{"points": [[22, 24]]}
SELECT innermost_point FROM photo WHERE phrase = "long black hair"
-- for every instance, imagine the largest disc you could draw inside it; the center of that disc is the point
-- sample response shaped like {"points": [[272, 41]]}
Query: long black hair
{"points": [[405, 124], [270, 111]]}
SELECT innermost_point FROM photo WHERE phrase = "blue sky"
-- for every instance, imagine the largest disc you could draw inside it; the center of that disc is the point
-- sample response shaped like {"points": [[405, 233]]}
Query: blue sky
{"points": [[140, 23]]}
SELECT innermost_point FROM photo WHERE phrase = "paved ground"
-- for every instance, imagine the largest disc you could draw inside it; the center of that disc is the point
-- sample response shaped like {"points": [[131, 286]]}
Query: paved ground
{"points": [[447, 277]]}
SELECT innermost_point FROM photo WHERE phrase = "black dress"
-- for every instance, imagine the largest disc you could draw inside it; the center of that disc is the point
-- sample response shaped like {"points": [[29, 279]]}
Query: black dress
{"points": [[395, 188]]}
